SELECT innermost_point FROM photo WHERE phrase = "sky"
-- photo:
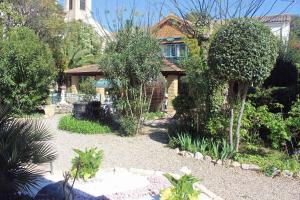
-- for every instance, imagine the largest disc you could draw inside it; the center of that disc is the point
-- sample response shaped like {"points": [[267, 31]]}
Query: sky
{"points": [[101, 8]]}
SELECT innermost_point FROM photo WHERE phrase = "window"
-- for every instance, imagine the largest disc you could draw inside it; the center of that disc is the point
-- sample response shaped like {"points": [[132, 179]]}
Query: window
{"points": [[174, 51], [70, 4], [82, 5]]}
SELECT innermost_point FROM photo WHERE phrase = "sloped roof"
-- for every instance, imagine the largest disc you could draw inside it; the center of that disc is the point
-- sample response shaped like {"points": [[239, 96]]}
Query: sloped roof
{"points": [[275, 18], [171, 68], [85, 70], [92, 70]]}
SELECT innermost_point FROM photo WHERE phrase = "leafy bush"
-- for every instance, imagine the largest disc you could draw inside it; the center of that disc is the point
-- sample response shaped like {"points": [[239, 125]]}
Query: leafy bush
{"points": [[24, 144], [128, 126], [88, 162], [285, 73], [69, 123], [242, 53], [269, 160], [87, 86], [181, 189], [132, 62], [185, 113], [271, 97], [154, 115], [27, 70]]}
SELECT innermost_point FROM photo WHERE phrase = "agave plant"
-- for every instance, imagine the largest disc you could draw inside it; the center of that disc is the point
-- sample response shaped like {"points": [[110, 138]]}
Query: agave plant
{"points": [[23, 146]]}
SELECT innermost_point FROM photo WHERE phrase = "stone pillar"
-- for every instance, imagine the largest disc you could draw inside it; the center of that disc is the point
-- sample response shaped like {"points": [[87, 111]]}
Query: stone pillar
{"points": [[172, 87], [74, 84], [100, 91]]}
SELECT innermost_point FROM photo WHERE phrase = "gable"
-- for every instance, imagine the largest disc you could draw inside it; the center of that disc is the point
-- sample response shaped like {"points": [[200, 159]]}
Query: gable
{"points": [[169, 31], [170, 27]]}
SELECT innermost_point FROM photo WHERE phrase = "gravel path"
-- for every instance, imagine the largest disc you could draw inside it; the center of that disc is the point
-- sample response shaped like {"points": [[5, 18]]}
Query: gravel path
{"points": [[149, 152]]}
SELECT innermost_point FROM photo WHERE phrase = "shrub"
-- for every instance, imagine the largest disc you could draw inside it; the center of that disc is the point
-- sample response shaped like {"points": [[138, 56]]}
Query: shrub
{"points": [[128, 126], [69, 123], [181, 189], [24, 144], [88, 162], [87, 86], [185, 113], [269, 160], [285, 73], [132, 62], [27, 70], [242, 53]]}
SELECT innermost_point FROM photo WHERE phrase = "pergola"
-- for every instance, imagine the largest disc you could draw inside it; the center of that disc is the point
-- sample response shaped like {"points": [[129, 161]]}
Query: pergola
{"points": [[170, 71]]}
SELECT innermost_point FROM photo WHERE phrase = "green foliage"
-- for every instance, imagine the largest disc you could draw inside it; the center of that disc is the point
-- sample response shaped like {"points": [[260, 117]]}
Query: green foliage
{"points": [[128, 126], [23, 143], [87, 86], [27, 70], [69, 123], [132, 63], [272, 97], [182, 188], [217, 149], [293, 51], [88, 162], [293, 121], [269, 160], [244, 50], [154, 115], [81, 45]]}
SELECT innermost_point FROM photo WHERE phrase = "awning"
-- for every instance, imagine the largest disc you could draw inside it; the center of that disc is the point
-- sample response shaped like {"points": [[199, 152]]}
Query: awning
{"points": [[103, 83]]}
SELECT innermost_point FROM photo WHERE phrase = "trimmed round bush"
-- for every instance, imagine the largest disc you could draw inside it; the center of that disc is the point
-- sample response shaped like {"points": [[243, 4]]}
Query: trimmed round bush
{"points": [[244, 50]]}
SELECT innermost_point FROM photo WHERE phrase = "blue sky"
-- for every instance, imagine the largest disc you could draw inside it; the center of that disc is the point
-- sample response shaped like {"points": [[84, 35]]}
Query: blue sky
{"points": [[100, 7]]}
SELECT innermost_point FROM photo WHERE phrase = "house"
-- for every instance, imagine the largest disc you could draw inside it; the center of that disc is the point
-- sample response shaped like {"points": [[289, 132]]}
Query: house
{"points": [[171, 32]]}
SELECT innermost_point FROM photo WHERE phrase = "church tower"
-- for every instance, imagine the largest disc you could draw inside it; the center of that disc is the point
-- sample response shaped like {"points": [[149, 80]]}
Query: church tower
{"points": [[78, 9], [82, 10]]}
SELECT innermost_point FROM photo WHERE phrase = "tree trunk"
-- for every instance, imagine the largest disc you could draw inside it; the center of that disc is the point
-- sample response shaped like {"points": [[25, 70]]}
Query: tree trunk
{"points": [[244, 91], [231, 128]]}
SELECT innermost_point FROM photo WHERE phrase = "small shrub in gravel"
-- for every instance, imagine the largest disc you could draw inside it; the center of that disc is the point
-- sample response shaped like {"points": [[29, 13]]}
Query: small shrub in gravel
{"points": [[69, 123], [87, 163]]}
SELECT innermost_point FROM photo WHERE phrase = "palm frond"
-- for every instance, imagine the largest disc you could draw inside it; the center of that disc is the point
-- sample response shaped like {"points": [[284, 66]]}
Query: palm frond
{"points": [[24, 143]]}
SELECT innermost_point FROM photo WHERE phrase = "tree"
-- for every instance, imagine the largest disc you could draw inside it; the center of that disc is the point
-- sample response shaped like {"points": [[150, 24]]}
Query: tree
{"points": [[24, 144], [243, 53], [81, 45], [132, 62], [45, 17], [27, 70], [293, 52]]}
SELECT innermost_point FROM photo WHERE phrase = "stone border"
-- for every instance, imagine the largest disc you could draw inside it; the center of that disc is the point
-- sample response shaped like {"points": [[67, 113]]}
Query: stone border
{"points": [[234, 164], [204, 191]]}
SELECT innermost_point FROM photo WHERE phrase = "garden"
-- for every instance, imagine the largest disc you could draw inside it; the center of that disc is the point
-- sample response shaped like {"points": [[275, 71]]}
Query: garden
{"points": [[238, 108]]}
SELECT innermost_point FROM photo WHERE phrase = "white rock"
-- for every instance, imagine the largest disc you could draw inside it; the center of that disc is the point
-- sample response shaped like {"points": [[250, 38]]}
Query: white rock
{"points": [[208, 158], [198, 156], [177, 150], [219, 162], [250, 167], [254, 167], [186, 170], [235, 164], [287, 173], [276, 172]]}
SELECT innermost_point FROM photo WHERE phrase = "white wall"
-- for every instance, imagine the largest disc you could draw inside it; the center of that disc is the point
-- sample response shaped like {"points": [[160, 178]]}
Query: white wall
{"points": [[280, 29]]}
